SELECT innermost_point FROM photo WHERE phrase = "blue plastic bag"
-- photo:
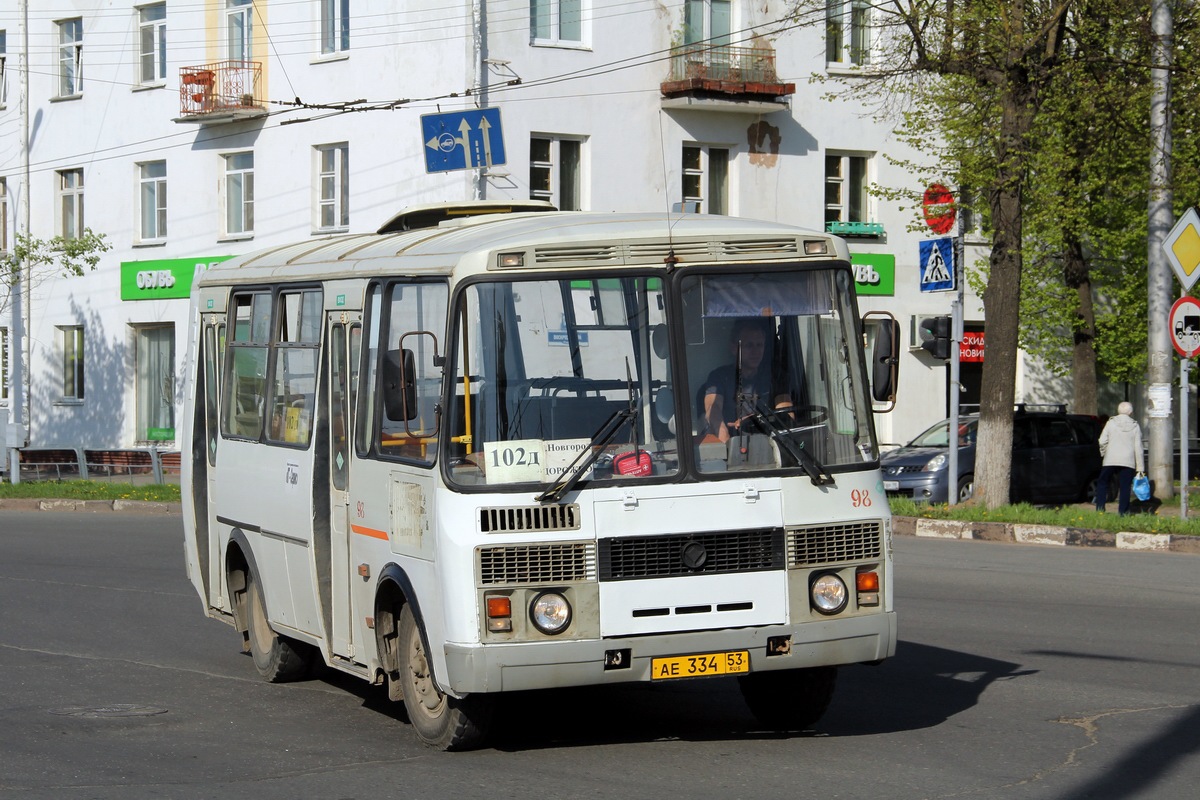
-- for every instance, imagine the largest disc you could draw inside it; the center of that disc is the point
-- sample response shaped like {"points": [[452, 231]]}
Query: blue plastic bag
{"points": [[1141, 487]]}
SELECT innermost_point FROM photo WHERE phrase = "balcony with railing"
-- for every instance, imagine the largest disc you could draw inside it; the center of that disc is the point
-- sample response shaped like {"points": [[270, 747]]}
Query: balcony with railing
{"points": [[222, 91], [725, 78]]}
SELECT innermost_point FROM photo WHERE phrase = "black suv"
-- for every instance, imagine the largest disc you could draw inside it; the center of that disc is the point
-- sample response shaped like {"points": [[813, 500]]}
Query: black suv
{"points": [[1056, 459]]}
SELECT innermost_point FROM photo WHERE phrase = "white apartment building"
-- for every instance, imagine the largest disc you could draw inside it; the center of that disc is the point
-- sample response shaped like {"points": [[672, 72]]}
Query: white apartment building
{"points": [[190, 132]]}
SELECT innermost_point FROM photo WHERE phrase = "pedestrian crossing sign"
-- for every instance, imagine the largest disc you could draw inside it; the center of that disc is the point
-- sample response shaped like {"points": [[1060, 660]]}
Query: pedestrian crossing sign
{"points": [[937, 265]]}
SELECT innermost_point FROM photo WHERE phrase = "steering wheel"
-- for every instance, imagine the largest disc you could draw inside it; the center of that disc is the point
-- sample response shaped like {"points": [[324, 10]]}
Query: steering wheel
{"points": [[810, 415]]}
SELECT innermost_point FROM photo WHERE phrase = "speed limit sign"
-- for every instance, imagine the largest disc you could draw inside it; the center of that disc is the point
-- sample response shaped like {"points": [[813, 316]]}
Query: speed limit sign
{"points": [[1184, 324]]}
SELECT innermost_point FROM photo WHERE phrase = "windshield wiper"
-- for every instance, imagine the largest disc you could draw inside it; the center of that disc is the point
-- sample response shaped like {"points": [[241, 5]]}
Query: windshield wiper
{"points": [[591, 454], [813, 468], [587, 457]]}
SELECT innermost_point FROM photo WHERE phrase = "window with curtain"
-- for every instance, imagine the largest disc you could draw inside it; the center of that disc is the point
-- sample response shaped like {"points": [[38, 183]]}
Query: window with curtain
{"points": [[152, 200], [155, 389], [152, 41], [71, 345]]}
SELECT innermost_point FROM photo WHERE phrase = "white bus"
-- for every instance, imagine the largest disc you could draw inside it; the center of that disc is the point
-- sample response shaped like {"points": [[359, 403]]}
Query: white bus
{"points": [[476, 453]]}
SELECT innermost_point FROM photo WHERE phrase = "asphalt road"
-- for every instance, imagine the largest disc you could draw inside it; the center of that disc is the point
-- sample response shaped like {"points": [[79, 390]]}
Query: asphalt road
{"points": [[1023, 672]]}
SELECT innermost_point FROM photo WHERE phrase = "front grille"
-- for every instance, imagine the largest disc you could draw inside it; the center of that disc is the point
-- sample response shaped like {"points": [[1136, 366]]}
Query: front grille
{"points": [[690, 554], [517, 565], [903, 469], [526, 519], [835, 544]]}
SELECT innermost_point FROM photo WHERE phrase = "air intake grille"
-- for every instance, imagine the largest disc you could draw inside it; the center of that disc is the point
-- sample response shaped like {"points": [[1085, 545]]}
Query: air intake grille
{"points": [[690, 554], [834, 544], [655, 252], [528, 519], [761, 247], [518, 565]]}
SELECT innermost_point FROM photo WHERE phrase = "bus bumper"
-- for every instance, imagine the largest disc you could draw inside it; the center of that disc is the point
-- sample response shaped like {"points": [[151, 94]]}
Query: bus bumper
{"points": [[543, 665]]}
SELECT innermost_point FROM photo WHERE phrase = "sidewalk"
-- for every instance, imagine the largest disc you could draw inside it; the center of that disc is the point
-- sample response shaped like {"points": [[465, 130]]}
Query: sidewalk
{"points": [[1018, 533]]}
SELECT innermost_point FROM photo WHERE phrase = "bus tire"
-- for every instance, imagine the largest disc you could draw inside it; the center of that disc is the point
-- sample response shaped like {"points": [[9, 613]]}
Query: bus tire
{"points": [[277, 658], [440, 721], [791, 699]]}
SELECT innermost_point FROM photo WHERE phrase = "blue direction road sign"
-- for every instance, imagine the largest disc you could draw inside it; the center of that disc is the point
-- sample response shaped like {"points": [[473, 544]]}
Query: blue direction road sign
{"points": [[462, 140], [937, 265]]}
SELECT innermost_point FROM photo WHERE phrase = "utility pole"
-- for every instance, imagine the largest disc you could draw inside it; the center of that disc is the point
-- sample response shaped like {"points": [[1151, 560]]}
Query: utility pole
{"points": [[1159, 279], [16, 421]]}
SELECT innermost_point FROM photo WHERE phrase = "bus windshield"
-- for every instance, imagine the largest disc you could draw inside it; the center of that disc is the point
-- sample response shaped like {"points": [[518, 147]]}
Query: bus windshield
{"points": [[775, 377], [551, 371]]}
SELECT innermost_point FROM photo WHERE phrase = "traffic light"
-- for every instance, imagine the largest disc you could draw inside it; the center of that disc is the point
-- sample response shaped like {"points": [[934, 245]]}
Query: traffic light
{"points": [[935, 336]]}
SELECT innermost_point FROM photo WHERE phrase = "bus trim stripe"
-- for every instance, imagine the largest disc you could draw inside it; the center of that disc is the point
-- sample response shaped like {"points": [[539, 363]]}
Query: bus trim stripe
{"points": [[372, 532]]}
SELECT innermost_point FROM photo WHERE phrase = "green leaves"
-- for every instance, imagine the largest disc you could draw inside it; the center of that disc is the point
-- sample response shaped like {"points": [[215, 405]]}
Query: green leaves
{"points": [[72, 256]]}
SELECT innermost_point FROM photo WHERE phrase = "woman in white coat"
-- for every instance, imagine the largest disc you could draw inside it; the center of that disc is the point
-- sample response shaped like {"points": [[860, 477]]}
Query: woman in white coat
{"points": [[1121, 451]]}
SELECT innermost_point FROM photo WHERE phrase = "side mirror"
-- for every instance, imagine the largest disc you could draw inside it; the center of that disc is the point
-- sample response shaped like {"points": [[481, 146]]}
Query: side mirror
{"points": [[885, 359], [400, 385]]}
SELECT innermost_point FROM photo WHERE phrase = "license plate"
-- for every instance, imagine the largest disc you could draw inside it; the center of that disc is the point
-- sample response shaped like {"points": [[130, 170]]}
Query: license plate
{"points": [[891, 486], [700, 665]]}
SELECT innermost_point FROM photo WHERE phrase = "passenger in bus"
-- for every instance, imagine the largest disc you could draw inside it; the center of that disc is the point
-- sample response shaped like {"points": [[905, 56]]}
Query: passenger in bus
{"points": [[733, 391]]}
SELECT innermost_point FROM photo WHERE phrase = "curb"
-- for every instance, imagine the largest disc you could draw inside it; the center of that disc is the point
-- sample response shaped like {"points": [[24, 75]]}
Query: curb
{"points": [[1050, 535], [124, 506]]}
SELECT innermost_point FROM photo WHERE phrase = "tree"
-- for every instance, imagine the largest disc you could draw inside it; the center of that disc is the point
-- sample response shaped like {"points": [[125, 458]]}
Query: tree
{"points": [[33, 259], [978, 71]]}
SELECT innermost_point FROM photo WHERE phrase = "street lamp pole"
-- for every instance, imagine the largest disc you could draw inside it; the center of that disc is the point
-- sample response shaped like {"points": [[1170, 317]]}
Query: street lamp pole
{"points": [[1159, 279], [15, 437]]}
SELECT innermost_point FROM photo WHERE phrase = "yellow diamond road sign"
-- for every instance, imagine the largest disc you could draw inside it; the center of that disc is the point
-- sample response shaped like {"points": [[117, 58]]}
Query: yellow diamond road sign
{"points": [[1182, 247]]}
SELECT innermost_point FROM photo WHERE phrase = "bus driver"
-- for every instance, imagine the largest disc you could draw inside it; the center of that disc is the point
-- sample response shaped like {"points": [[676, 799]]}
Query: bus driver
{"points": [[732, 391]]}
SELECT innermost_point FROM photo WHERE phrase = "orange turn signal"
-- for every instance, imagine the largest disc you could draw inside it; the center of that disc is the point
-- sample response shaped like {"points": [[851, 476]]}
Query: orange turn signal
{"points": [[499, 607], [867, 581]]}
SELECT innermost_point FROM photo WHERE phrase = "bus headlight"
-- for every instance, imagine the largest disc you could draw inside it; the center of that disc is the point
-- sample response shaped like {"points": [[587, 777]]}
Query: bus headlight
{"points": [[829, 594], [550, 613]]}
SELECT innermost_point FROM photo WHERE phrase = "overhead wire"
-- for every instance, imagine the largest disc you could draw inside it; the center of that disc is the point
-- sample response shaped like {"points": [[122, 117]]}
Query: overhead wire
{"points": [[338, 108]]}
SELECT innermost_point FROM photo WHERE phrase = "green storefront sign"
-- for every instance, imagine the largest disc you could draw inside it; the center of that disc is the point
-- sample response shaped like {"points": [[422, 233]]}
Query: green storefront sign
{"points": [[874, 273], [163, 279]]}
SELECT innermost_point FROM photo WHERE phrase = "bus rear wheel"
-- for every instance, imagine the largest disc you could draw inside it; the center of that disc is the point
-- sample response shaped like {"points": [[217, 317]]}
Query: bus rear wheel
{"points": [[791, 699], [277, 658], [441, 721]]}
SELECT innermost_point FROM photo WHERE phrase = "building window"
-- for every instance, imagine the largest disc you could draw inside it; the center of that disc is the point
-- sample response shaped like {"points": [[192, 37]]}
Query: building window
{"points": [[152, 200], [70, 57], [71, 339], [3, 216], [555, 171], [70, 203], [335, 26], [552, 21], [706, 179], [333, 186], [239, 193], [3, 70], [155, 351], [152, 35], [846, 189], [239, 31], [847, 32], [708, 21]]}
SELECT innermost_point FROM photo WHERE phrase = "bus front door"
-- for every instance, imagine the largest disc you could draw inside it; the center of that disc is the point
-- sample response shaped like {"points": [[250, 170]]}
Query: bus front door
{"points": [[344, 337]]}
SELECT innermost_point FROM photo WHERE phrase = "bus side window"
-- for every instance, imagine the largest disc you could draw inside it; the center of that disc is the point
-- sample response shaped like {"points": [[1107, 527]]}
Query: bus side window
{"points": [[246, 365], [409, 384], [294, 381]]}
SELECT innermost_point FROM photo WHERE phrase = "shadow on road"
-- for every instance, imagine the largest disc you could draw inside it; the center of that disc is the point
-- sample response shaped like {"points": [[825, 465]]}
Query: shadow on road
{"points": [[919, 688]]}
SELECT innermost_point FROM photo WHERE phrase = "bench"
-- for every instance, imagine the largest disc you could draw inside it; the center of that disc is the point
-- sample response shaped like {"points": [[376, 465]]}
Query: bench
{"points": [[50, 463], [171, 461], [127, 463]]}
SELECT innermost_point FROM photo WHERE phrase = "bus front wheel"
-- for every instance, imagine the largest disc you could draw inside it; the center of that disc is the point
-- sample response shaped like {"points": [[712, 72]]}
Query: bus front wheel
{"points": [[276, 658], [791, 699], [441, 721]]}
